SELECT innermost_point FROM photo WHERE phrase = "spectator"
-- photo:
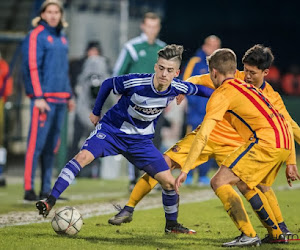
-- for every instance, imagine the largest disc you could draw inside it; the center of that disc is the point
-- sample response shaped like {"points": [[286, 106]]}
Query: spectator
{"points": [[94, 71], [197, 65], [45, 68], [138, 56], [6, 86]]}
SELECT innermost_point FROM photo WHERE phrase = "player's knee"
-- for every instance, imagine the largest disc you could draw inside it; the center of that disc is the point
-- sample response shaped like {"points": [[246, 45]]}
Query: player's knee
{"points": [[168, 161], [167, 185], [242, 186], [84, 157], [263, 188]]}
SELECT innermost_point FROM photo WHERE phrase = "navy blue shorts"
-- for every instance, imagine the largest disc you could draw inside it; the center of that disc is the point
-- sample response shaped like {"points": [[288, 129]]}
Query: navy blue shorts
{"points": [[140, 152]]}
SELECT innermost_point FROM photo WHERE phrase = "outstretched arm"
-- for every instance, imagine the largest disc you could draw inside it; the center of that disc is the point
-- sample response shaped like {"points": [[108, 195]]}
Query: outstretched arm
{"points": [[197, 147], [103, 93]]}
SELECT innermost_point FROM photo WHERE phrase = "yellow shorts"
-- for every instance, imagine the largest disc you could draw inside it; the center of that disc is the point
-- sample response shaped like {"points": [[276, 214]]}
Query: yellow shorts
{"points": [[180, 150], [255, 164]]}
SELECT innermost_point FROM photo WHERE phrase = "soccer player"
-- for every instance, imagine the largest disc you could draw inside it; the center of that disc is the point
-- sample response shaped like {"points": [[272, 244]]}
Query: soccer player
{"points": [[224, 139], [268, 142], [128, 127]]}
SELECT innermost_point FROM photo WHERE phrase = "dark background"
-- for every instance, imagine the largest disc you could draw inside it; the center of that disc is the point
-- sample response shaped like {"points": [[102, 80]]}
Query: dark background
{"points": [[239, 24]]}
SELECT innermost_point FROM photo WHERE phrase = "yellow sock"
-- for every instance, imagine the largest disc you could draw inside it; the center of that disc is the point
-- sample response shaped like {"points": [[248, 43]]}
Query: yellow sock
{"points": [[234, 206], [273, 202], [141, 188], [263, 210]]}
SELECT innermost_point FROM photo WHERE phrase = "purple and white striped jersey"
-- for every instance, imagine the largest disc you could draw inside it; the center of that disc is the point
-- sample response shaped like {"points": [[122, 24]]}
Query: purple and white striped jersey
{"points": [[137, 111]]}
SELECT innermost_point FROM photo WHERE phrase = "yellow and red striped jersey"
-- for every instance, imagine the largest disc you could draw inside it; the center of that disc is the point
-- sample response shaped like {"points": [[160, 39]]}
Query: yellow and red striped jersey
{"points": [[250, 113], [224, 133]]}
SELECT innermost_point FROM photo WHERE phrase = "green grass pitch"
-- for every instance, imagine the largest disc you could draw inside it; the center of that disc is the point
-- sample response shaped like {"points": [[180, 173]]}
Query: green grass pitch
{"points": [[146, 231]]}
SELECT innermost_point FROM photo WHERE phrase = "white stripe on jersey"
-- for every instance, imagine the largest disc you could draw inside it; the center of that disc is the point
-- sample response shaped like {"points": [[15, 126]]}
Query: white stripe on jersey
{"points": [[149, 102], [137, 80], [120, 62], [132, 52], [180, 86], [115, 89], [132, 130], [134, 84]]}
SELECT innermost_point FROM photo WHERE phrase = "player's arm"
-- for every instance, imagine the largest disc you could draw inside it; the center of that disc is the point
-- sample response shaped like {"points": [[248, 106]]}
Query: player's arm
{"points": [[291, 170], [103, 93], [279, 105], [215, 110], [193, 89], [203, 80]]}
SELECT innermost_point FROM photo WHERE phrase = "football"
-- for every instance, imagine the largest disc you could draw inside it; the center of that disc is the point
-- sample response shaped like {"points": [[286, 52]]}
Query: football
{"points": [[67, 221]]}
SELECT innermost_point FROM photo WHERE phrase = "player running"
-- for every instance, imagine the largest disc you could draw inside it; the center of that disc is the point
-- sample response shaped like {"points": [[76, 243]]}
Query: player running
{"points": [[128, 127]]}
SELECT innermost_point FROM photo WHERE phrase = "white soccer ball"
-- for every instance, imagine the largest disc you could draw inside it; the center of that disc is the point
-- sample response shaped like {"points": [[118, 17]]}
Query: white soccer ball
{"points": [[67, 221]]}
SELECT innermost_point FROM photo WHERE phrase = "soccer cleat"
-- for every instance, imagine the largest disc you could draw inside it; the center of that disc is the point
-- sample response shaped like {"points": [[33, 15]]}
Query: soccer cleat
{"points": [[243, 240], [282, 239], [123, 216], [30, 196], [44, 206], [179, 229]]}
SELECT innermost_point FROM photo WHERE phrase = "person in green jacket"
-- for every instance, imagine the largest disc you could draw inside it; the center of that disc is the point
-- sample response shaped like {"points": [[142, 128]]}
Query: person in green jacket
{"points": [[138, 55]]}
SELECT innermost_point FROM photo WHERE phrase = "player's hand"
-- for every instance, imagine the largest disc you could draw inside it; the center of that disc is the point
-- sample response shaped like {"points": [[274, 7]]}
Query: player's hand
{"points": [[94, 118], [179, 180], [42, 105], [71, 104], [179, 98], [291, 173]]}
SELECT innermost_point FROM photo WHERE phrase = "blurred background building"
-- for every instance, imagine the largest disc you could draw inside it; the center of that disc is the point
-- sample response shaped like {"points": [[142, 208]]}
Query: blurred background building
{"points": [[239, 24]]}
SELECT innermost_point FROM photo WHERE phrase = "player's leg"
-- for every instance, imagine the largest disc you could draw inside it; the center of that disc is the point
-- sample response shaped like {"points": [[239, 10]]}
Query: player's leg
{"points": [[170, 200], [254, 164], [175, 157], [273, 202], [100, 143], [146, 157], [222, 183], [57, 117], [261, 207]]}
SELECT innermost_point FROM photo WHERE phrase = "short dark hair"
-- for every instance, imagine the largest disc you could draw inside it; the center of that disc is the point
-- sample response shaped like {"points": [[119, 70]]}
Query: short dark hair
{"points": [[171, 52], [151, 15], [259, 56], [223, 60]]}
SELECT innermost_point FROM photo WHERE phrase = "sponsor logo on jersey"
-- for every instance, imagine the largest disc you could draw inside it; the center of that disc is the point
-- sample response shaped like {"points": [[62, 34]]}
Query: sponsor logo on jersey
{"points": [[101, 135], [147, 111], [175, 148], [142, 53]]}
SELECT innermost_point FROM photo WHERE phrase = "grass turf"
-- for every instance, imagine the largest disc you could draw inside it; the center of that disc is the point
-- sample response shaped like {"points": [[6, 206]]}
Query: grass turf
{"points": [[146, 231]]}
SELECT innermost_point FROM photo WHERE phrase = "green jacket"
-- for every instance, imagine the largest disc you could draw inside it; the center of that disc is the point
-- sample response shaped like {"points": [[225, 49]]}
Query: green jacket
{"points": [[138, 56]]}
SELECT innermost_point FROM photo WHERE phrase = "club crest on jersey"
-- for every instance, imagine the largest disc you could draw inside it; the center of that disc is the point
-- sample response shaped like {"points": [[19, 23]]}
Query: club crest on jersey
{"points": [[101, 135], [175, 149], [170, 98]]}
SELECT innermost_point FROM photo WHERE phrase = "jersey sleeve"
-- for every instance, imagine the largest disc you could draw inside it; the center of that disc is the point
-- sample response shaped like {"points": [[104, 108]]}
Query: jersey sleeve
{"points": [[103, 93], [280, 106], [216, 107], [35, 61], [198, 144], [203, 80], [189, 88]]}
